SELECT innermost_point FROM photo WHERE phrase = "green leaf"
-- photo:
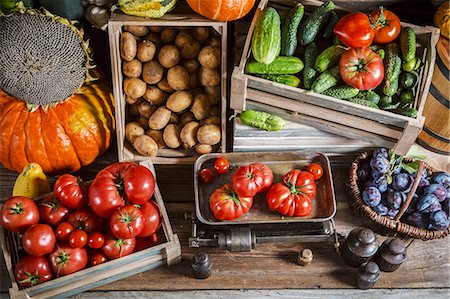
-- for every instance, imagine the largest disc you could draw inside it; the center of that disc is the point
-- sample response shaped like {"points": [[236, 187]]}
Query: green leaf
{"points": [[411, 167], [416, 153]]}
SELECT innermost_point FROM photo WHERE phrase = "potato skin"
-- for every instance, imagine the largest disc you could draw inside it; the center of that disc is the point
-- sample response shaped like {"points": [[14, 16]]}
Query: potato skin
{"points": [[132, 131], [146, 146], [171, 136], [214, 120], [190, 50], [164, 85], [169, 56], [208, 77], [214, 111], [154, 38], [182, 38], [157, 135], [188, 135], [209, 134], [136, 30], [203, 148], [143, 121], [179, 101], [201, 34], [186, 117], [213, 42], [178, 78], [191, 65], [168, 35], [152, 72], [146, 109], [214, 95], [132, 69], [209, 57], [128, 46], [133, 101], [200, 107], [146, 51], [134, 87], [159, 119], [174, 118]]}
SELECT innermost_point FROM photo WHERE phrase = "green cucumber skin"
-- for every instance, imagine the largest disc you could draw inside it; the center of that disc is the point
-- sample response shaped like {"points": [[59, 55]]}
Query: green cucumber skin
{"points": [[407, 80], [289, 80], [328, 58], [262, 120], [326, 80], [310, 73], [310, 28], [289, 30], [332, 21], [410, 112], [408, 43], [282, 65], [364, 102], [341, 92], [392, 68], [266, 39], [369, 95]]}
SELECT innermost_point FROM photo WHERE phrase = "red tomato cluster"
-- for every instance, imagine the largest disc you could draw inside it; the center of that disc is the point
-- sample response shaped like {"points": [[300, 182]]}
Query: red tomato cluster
{"points": [[80, 225]]}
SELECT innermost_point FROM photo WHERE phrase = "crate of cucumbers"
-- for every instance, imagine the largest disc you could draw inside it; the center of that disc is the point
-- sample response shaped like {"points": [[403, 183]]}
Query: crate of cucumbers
{"points": [[362, 76]]}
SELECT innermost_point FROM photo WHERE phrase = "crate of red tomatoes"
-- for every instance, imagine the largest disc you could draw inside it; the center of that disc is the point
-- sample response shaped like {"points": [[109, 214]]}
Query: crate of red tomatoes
{"points": [[85, 234]]}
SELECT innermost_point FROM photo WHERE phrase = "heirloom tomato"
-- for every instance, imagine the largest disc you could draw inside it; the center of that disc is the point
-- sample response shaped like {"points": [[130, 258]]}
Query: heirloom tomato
{"points": [[96, 240], [225, 204], [97, 258], [18, 213], [52, 211], [78, 239], [85, 219], [247, 181], [32, 270], [150, 212], [71, 191], [127, 222], [116, 247], [206, 176], [316, 170], [120, 183], [300, 182], [66, 260], [354, 30], [221, 165], [147, 242], [288, 201], [386, 25], [63, 231], [267, 176], [361, 68], [39, 239]]}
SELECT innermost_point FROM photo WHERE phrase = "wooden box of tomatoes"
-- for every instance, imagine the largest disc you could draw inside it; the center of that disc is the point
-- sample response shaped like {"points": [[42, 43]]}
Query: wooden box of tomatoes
{"points": [[316, 80], [132, 241]]}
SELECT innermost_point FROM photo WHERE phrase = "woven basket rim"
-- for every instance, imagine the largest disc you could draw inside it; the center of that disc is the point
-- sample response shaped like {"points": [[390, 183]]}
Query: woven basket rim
{"points": [[359, 206]]}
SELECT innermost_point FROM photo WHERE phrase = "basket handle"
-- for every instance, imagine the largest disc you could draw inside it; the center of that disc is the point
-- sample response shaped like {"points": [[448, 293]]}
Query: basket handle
{"points": [[411, 192]]}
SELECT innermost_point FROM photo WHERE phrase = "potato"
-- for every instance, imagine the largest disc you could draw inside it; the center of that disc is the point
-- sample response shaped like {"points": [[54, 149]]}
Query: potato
{"points": [[188, 134], [201, 34], [208, 134], [155, 96], [143, 121], [200, 107], [209, 57], [164, 85], [156, 135], [168, 35], [146, 51], [146, 146], [214, 42], [178, 78], [182, 38], [174, 118], [169, 56], [214, 111], [136, 30], [146, 109], [156, 29], [132, 69], [132, 101], [208, 77], [133, 110], [179, 101], [171, 136], [154, 38], [197, 90], [132, 131], [134, 87], [213, 93], [190, 50], [159, 119], [191, 65], [211, 120], [203, 148], [186, 117], [152, 72], [193, 80], [128, 46]]}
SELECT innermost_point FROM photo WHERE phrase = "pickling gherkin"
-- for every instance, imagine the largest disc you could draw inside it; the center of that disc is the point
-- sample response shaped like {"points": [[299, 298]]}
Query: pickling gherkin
{"points": [[262, 120]]}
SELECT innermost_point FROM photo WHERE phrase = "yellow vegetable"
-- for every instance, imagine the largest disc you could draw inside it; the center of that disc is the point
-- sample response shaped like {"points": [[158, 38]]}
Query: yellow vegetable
{"points": [[442, 19], [31, 182]]}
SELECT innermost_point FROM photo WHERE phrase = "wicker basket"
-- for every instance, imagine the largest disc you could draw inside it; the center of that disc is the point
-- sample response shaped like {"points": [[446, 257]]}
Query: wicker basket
{"points": [[359, 206]]}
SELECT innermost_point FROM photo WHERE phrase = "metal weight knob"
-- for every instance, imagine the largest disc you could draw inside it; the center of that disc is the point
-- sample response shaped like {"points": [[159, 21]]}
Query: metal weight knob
{"points": [[368, 274], [201, 265], [359, 246], [305, 257], [392, 254]]}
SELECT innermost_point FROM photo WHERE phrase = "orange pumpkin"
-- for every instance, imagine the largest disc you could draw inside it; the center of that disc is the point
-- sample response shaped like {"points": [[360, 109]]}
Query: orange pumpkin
{"points": [[61, 138], [222, 10]]}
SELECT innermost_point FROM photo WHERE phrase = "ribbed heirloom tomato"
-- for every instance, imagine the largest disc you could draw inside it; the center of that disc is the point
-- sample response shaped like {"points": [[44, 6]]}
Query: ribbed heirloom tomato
{"points": [[225, 204], [247, 181], [386, 25], [267, 176], [71, 191], [85, 219]]}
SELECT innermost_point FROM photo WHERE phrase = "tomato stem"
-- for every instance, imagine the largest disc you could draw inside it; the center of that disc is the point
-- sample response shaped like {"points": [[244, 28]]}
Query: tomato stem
{"points": [[18, 209], [33, 279]]}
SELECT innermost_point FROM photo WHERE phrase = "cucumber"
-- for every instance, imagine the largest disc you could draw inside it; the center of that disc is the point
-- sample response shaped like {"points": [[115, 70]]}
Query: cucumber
{"points": [[266, 39], [289, 80], [310, 28], [406, 96], [363, 102], [411, 112], [408, 43], [381, 53], [309, 73], [391, 106], [289, 30], [341, 92], [390, 88], [332, 20], [385, 101], [262, 120], [392, 67], [326, 80], [328, 58], [407, 80], [369, 95], [280, 66]]}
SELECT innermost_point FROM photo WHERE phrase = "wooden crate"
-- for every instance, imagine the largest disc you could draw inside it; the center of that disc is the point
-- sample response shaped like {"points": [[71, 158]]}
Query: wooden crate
{"points": [[166, 253], [379, 127], [165, 155]]}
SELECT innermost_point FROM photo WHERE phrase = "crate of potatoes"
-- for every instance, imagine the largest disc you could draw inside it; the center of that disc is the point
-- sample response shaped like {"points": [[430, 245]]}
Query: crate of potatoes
{"points": [[169, 80]]}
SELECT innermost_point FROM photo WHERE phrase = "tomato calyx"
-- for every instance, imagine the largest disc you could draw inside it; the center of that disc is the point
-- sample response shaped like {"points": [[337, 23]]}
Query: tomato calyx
{"points": [[62, 259], [382, 21], [33, 279], [120, 242], [297, 190], [53, 205], [127, 218], [18, 209]]}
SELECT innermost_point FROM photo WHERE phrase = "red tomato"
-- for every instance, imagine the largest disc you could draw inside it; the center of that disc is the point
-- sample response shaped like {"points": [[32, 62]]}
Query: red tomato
{"points": [[117, 183], [354, 30], [267, 176], [361, 68], [150, 211], [71, 191], [78, 239], [63, 231], [147, 242], [287, 202], [96, 240], [227, 205], [127, 222], [221, 165], [206, 176], [97, 258], [386, 25], [300, 182], [247, 181], [38, 240], [52, 211], [316, 170], [115, 247], [86, 220], [66, 260], [18, 213], [32, 270]]}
